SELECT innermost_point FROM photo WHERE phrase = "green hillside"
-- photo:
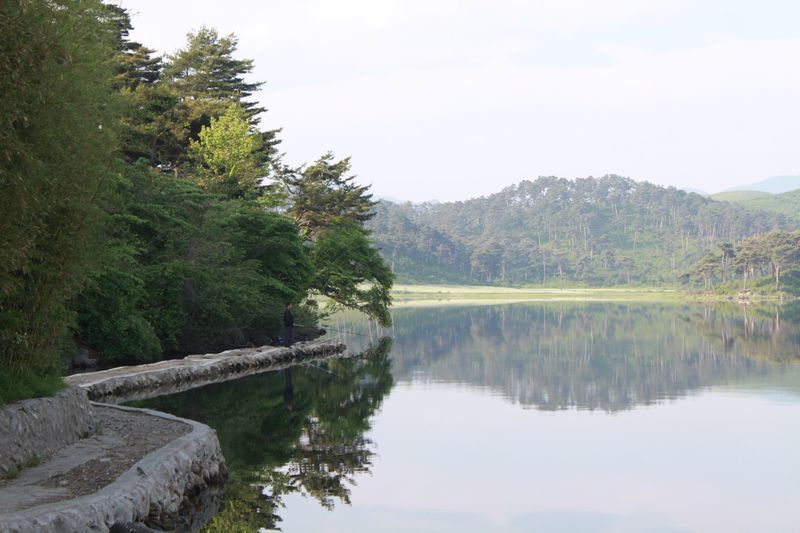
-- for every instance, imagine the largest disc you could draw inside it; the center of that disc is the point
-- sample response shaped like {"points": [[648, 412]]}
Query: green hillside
{"points": [[594, 231], [787, 204], [739, 196]]}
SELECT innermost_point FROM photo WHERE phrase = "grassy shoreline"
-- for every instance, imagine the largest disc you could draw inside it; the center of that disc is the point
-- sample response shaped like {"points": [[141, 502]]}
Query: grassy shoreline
{"points": [[405, 294], [412, 292]]}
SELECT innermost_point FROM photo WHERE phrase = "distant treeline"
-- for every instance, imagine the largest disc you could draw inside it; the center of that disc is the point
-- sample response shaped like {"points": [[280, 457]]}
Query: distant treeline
{"points": [[594, 231], [144, 211], [771, 261]]}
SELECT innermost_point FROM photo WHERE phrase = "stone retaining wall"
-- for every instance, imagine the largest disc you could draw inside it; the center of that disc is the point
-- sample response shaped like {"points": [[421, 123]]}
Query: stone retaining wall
{"points": [[177, 487], [35, 429], [123, 384]]}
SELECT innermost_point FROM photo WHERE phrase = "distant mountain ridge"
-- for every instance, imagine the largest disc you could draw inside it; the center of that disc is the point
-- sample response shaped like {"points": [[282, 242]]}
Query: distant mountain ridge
{"points": [[593, 231]]}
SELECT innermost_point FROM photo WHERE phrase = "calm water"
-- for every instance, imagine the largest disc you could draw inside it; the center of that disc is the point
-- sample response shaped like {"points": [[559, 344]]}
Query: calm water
{"points": [[523, 417]]}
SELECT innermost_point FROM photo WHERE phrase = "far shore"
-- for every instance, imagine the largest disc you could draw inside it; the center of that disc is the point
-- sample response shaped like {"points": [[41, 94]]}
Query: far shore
{"points": [[409, 293], [422, 294]]}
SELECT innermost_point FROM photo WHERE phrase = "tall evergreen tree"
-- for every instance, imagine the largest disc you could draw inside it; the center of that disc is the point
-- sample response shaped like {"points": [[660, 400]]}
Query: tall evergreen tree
{"points": [[322, 193], [151, 114], [207, 79], [207, 73], [330, 210], [133, 62]]}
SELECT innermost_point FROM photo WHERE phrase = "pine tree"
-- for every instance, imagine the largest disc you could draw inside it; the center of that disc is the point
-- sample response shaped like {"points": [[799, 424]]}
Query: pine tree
{"points": [[209, 79], [321, 194]]}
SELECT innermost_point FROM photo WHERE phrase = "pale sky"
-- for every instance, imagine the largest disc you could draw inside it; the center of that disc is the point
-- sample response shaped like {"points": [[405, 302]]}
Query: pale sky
{"points": [[448, 99]]}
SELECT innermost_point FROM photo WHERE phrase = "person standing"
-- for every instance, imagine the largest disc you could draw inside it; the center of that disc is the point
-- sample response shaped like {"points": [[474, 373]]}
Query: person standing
{"points": [[288, 325]]}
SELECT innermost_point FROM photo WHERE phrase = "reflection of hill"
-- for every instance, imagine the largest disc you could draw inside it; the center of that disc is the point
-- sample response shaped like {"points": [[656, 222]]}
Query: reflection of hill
{"points": [[594, 356]]}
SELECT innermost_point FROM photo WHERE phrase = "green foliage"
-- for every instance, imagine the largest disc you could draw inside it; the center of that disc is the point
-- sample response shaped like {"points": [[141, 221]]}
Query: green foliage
{"points": [[321, 194], [151, 125], [739, 196], [349, 270], [56, 147], [244, 510], [22, 384], [554, 231], [298, 431], [330, 210], [166, 105], [787, 204], [244, 264], [207, 79], [188, 271], [110, 316], [133, 63], [206, 73], [225, 156], [774, 256], [101, 236], [11, 473]]}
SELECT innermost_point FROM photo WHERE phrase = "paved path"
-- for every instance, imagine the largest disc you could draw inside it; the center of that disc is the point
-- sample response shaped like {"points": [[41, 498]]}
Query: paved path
{"points": [[127, 383], [121, 438], [92, 483]]}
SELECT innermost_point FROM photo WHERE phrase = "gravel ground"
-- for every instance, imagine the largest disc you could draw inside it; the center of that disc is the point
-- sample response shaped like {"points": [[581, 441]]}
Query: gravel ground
{"points": [[136, 434]]}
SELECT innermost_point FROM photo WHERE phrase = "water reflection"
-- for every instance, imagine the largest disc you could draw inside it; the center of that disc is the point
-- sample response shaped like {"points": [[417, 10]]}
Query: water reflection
{"points": [[300, 431], [308, 431], [590, 356]]}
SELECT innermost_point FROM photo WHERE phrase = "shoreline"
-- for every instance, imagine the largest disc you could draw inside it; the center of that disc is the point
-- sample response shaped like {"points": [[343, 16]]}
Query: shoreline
{"points": [[423, 294], [97, 482], [127, 383]]}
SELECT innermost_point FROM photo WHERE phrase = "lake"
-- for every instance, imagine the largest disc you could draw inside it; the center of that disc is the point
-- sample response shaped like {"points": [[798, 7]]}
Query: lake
{"points": [[545, 416]]}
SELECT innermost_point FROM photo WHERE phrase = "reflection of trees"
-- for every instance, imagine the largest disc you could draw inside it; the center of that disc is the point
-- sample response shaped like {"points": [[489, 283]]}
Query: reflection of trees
{"points": [[596, 356], [767, 333], [320, 466], [332, 448], [300, 431]]}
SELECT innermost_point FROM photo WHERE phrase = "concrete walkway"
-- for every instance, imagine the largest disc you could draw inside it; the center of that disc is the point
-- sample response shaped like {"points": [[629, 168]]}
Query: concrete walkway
{"points": [[140, 465], [127, 383], [141, 468], [122, 437]]}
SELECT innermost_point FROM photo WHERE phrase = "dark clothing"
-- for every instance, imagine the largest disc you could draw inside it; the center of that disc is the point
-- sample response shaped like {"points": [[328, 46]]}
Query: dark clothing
{"points": [[288, 327], [288, 335]]}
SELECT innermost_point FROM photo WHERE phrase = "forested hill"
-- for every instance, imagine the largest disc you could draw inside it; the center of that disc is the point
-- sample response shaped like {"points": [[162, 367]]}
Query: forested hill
{"points": [[596, 231], [787, 203]]}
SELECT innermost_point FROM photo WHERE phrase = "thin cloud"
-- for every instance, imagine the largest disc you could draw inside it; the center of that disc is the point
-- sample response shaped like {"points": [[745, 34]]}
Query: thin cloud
{"points": [[451, 99]]}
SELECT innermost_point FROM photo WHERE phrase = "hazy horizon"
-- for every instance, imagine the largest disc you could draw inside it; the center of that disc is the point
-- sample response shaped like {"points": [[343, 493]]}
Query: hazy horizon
{"points": [[452, 100]]}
